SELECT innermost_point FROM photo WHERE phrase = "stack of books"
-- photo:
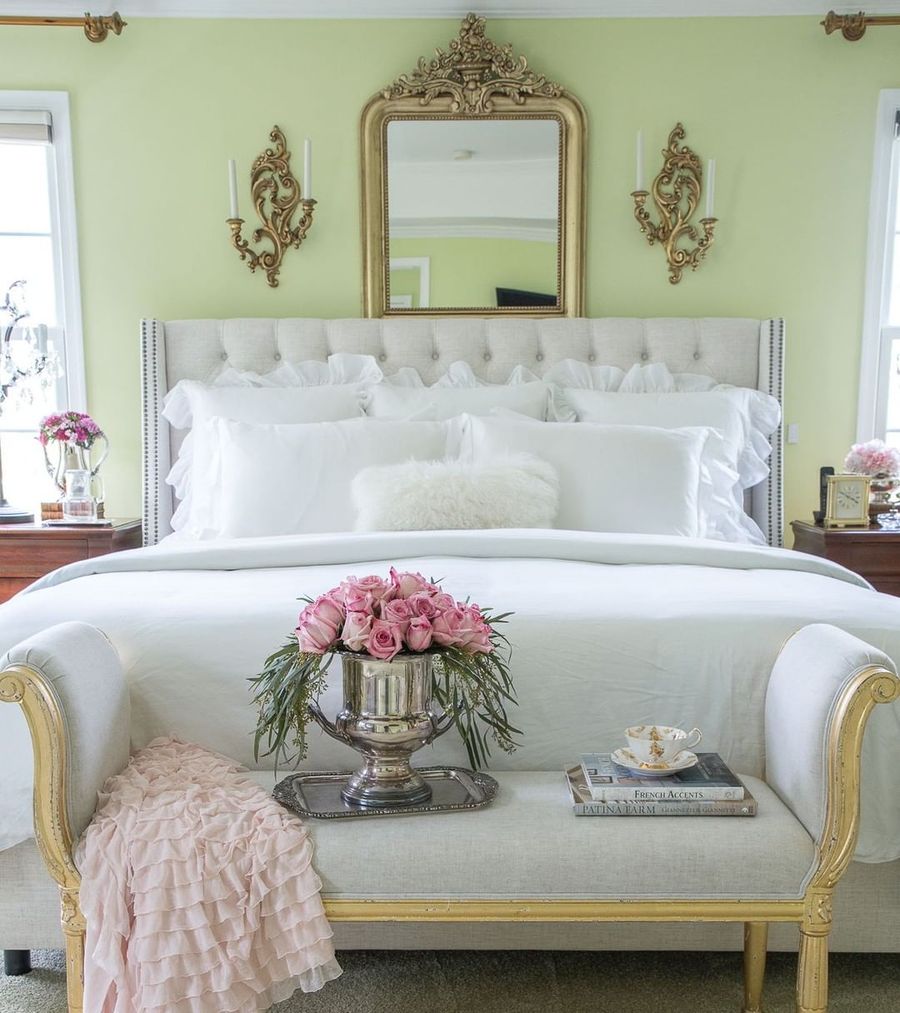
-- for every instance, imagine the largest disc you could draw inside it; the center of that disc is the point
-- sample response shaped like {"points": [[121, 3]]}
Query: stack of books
{"points": [[599, 787], [54, 511]]}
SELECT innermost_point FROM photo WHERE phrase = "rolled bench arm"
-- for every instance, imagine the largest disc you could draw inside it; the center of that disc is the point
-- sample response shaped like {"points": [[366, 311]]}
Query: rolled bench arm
{"points": [[823, 687], [70, 684]]}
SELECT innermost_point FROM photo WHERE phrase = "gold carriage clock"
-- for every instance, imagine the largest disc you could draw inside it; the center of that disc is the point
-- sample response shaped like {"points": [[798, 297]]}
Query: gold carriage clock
{"points": [[847, 502]]}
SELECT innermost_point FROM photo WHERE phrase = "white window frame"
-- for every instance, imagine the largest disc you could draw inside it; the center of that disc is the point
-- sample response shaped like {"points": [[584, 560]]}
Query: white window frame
{"points": [[423, 266], [877, 337], [63, 222]]}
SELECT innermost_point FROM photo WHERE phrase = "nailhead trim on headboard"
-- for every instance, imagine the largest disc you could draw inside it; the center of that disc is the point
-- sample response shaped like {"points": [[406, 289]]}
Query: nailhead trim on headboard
{"points": [[150, 429], [739, 351]]}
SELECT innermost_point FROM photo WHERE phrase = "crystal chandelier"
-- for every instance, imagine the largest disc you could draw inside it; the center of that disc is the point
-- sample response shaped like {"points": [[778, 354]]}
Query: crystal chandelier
{"points": [[24, 358]]}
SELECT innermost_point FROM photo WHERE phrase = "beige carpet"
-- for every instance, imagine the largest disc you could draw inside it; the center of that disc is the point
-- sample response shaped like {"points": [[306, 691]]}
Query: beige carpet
{"points": [[522, 982]]}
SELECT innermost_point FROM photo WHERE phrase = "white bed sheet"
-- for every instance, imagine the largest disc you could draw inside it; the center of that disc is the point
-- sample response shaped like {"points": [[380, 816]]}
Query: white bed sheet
{"points": [[609, 630]]}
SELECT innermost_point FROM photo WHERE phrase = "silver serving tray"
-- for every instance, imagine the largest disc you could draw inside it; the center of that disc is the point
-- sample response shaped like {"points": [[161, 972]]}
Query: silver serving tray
{"points": [[317, 793]]}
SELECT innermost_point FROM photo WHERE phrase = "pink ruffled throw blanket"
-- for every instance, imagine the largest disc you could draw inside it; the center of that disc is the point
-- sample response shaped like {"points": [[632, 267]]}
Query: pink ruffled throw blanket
{"points": [[198, 890]]}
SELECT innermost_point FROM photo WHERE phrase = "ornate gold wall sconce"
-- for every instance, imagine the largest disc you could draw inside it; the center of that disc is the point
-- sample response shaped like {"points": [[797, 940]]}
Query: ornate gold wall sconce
{"points": [[276, 194], [96, 27], [676, 193]]}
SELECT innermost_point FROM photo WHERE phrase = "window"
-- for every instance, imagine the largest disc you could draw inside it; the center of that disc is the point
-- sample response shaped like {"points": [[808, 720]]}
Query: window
{"points": [[38, 246]]}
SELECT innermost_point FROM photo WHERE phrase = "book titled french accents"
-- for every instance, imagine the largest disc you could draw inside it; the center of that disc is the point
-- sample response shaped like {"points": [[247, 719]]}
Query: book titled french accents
{"points": [[711, 780], [584, 805]]}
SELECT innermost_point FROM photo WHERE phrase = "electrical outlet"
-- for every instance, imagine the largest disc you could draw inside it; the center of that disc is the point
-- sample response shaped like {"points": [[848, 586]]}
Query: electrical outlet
{"points": [[793, 433]]}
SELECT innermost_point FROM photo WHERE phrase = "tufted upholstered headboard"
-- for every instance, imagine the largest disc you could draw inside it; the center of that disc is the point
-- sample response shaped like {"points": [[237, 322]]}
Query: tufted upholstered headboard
{"points": [[739, 351]]}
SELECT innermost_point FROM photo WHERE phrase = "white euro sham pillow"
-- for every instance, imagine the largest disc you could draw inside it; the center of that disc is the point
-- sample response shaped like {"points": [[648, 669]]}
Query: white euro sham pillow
{"points": [[626, 479], [515, 491], [389, 402], [459, 391], [296, 478], [295, 392], [641, 378], [647, 397]]}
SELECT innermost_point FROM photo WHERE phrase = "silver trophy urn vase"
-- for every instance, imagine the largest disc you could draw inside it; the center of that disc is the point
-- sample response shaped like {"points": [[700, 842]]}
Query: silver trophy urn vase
{"points": [[386, 717]]}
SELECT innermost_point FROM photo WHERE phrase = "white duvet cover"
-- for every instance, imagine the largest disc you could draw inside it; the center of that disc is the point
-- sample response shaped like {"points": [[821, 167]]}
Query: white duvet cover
{"points": [[609, 631]]}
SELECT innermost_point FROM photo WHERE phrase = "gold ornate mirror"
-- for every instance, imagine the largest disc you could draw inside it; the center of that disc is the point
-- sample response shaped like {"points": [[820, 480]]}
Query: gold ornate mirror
{"points": [[473, 170]]}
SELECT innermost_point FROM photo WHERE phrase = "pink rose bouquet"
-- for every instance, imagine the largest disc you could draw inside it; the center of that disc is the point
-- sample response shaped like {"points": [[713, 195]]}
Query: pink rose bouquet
{"points": [[383, 617], [380, 617], [874, 458], [77, 429]]}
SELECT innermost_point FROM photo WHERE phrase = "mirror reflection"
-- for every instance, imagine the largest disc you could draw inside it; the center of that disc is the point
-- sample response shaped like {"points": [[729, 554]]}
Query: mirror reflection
{"points": [[473, 213]]}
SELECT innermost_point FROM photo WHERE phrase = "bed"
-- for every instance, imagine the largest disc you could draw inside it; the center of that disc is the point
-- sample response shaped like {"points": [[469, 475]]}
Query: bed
{"points": [[639, 625]]}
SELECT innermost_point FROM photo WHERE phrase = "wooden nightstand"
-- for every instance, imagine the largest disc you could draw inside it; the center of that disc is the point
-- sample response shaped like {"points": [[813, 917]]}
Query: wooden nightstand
{"points": [[872, 552], [28, 551]]}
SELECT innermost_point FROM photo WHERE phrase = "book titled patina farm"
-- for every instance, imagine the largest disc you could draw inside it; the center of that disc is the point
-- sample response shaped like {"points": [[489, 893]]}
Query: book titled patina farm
{"points": [[584, 805]]}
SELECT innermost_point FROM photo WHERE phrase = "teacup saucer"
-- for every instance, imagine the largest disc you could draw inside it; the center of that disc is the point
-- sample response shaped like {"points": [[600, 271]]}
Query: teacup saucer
{"points": [[683, 761]]}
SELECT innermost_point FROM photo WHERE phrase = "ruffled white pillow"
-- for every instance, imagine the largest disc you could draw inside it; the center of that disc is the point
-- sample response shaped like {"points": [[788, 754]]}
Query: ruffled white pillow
{"points": [[651, 395], [294, 392], [404, 395], [515, 491], [646, 378]]}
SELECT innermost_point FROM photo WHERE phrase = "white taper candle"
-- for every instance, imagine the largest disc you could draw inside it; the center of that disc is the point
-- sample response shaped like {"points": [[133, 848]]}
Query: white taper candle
{"points": [[639, 171], [232, 187], [307, 169], [710, 187]]}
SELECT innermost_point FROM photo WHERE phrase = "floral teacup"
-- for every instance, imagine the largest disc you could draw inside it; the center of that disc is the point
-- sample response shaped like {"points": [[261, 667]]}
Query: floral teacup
{"points": [[659, 745]]}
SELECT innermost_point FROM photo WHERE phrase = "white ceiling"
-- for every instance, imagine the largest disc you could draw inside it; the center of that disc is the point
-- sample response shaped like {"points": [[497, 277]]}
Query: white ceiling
{"points": [[443, 8], [487, 140]]}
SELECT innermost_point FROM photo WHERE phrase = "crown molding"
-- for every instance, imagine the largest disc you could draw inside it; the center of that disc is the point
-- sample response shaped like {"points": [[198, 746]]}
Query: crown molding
{"points": [[534, 230], [492, 9]]}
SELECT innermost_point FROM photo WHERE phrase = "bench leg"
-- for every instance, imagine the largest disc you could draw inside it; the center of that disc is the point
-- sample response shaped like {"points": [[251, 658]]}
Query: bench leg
{"points": [[16, 962], [756, 935], [812, 974], [73, 927]]}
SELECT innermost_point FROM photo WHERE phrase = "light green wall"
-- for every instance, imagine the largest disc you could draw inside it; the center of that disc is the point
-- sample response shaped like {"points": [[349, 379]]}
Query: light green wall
{"points": [[466, 272], [788, 113]]}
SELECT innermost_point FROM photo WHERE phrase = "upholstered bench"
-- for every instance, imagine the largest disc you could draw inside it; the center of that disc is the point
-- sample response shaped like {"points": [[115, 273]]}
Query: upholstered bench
{"points": [[525, 858]]}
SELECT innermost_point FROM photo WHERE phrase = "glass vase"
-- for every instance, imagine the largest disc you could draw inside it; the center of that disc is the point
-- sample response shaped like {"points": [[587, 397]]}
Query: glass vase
{"points": [[78, 503]]}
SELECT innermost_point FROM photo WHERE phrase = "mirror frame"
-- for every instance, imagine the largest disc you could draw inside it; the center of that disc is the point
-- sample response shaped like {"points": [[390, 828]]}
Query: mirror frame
{"points": [[474, 79]]}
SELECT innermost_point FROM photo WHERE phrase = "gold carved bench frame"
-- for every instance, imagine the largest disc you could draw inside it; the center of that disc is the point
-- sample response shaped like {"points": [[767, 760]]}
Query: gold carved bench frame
{"points": [[812, 912]]}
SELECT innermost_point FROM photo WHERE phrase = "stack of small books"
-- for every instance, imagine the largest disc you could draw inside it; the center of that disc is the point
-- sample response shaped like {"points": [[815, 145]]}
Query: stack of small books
{"points": [[53, 511], [600, 787]]}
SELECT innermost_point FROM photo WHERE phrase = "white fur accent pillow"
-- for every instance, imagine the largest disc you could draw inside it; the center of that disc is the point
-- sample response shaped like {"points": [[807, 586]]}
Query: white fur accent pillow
{"points": [[518, 491]]}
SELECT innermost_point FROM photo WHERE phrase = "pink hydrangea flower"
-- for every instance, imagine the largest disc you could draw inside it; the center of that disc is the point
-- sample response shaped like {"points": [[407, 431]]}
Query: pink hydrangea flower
{"points": [[873, 458]]}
